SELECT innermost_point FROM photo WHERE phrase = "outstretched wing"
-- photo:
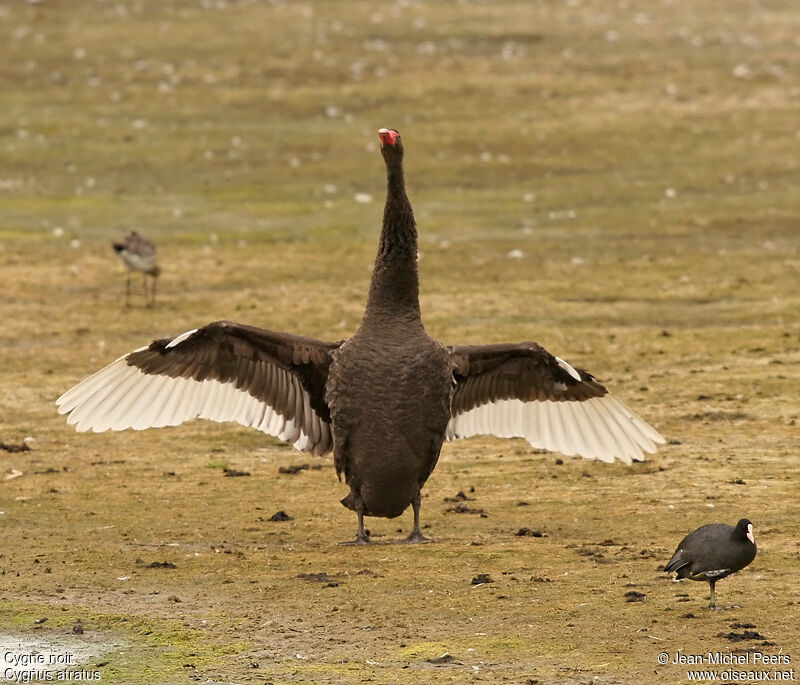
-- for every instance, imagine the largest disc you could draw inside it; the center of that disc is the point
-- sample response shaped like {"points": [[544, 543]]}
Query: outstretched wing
{"points": [[273, 382], [521, 390]]}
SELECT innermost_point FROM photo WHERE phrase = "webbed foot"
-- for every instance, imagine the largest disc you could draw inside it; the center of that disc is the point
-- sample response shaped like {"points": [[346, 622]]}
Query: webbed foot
{"points": [[360, 540], [416, 538]]}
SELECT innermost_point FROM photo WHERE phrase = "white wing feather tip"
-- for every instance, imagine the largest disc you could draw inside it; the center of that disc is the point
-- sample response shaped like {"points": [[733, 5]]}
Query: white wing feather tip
{"points": [[568, 368], [177, 341], [600, 428]]}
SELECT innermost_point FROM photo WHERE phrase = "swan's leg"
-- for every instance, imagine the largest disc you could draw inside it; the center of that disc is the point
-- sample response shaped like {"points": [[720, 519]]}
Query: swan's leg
{"points": [[362, 538], [416, 536]]}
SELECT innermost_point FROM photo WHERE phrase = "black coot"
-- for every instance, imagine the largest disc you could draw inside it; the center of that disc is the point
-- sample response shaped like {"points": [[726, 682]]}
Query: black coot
{"points": [[714, 551]]}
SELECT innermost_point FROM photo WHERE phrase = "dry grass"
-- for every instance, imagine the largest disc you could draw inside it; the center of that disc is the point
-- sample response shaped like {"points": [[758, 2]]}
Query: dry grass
{"points": [[642, 156]]}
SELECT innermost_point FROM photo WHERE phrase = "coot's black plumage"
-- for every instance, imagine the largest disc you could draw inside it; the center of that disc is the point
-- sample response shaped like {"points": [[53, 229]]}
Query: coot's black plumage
{"points": [[383, 401], [713, 552]]}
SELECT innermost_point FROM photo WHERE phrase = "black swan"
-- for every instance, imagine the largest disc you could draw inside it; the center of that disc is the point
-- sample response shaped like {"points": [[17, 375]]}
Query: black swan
{"points": [[139, 254], [383, 401], [713, 552]]}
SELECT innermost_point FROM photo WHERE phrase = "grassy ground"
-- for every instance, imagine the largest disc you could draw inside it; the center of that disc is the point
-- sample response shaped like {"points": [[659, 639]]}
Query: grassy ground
{"points": [[643, 157]]}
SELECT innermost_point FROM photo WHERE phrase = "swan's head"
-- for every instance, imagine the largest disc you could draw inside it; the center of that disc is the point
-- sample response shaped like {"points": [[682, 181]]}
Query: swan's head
{"points": [[391, 146], [388, 136]]}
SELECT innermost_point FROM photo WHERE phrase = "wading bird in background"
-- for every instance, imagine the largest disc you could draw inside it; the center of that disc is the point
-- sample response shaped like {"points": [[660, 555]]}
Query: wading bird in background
{"points": [[139, 254], [382, 401]]}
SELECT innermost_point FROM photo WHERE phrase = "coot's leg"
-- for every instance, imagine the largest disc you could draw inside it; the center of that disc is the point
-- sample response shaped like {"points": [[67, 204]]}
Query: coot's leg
{"points": [[362, 538], [416, 536]]}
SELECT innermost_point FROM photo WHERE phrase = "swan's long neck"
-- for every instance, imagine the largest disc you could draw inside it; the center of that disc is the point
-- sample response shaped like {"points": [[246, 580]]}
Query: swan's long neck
{"points": [[394, 291]]}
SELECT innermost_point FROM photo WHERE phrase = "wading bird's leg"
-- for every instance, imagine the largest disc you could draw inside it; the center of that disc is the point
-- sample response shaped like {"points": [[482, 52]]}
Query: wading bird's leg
{"points": [[128, 290], [148, 298], [416, 536], [713, 604], [362, 538], [155, 280]]}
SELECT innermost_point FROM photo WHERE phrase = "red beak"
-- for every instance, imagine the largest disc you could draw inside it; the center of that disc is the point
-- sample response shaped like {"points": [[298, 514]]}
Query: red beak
{"points": [[388, 136]]}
